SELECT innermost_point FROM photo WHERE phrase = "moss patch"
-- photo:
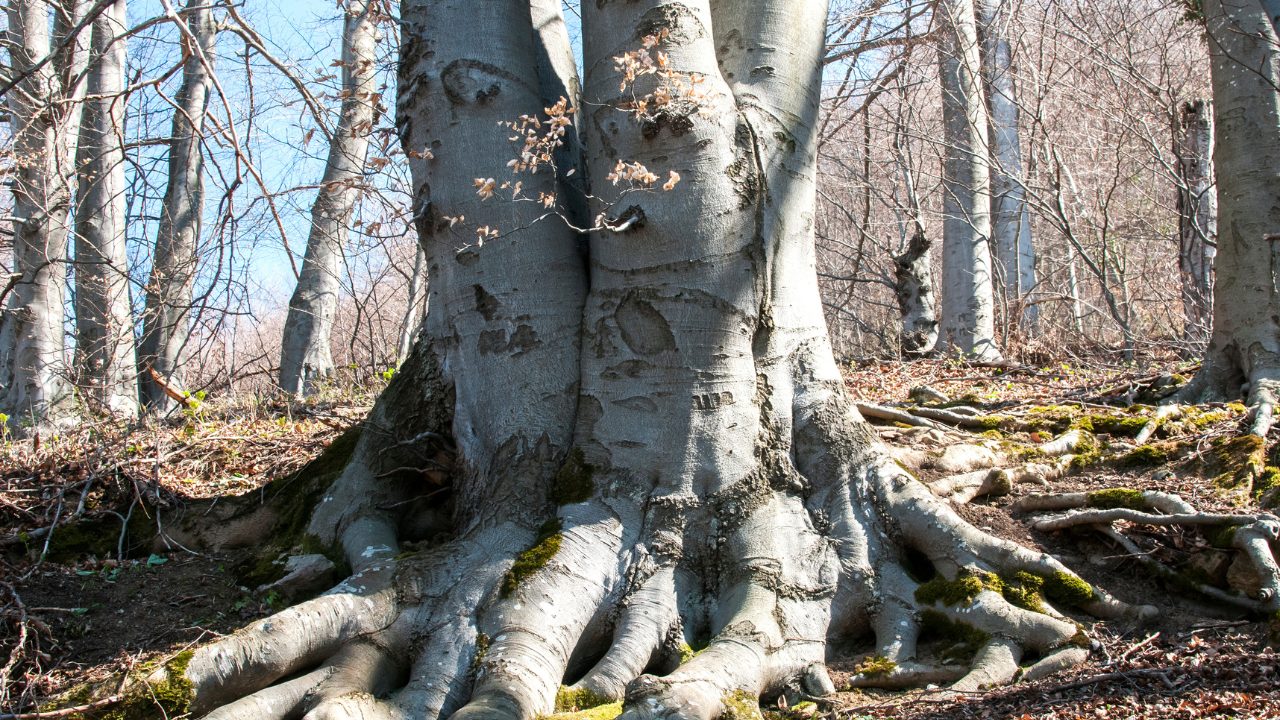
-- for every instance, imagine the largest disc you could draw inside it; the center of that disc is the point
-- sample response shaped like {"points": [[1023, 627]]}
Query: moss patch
{"points": [[961, 591], [1065, 589], [170, 697], [607, 711], [740, 705], [574, 483], [1144, 456], [963, 639], [1024, 590], [1236, 462], [1116, 498], [569, 700], [876, 665], [535, 558]]}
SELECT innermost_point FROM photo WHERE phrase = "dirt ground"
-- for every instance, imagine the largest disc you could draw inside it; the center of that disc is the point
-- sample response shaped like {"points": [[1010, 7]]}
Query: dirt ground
{"points": [[90, 617]]}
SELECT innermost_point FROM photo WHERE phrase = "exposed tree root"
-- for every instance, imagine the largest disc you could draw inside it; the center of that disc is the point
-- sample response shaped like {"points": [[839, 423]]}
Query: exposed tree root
{"points": [[1254, 536]]}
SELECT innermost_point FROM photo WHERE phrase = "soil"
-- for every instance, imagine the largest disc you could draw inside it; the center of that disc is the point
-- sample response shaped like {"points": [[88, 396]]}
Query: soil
{"points": [[93, 617]]}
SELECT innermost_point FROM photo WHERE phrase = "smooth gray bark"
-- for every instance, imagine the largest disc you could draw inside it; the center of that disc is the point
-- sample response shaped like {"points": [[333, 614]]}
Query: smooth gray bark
{"points": [[1197, 216], [968, 306], [165, 324], [913, 288], [1244, 348], [305, 354], [413, 305], [44, 118], [650, 450], [1010, 212], [105, 360]]}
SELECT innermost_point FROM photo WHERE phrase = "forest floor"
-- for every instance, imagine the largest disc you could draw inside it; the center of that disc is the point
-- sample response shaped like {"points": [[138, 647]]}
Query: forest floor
{"points": [[72, 616]]}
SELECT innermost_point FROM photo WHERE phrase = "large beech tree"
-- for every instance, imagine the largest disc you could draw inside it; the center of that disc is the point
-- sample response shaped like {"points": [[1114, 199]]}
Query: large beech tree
{"points": [[1244, 347], [652, 444]]}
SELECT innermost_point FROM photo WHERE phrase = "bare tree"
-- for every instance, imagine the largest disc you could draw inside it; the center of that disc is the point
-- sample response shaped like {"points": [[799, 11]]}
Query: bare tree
{"points": [[1010, 214], [306, 353], [46, 66], [968, 306], [165, 322], [105, 361], [1197, 216]]}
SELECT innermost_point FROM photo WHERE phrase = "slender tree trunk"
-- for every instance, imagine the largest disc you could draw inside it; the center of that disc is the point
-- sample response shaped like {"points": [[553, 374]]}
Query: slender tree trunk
{"points": [[1197, 216], [305, 351], [653, 449], [968, 305], [105, 360], [44, 117], [165, 324], [1010, 213], [1244, 347], [413, 306]]}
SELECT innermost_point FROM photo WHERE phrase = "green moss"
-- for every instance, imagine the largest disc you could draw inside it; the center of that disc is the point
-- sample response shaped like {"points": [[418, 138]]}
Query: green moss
{"points": [[1024, 590], [963, 639], [572, 700], [1065, 589], [170, 696], [1236, 462], [607, 711], [1122, 425], [961, 591], [482, 650], [1115, 498], [993, 434], [574, 483], [740, 705], [1087, 453], [1143, 456], [1267, 481], [989, 423], [535, 558], [876, 665], [1221, 536], [687, 653]]}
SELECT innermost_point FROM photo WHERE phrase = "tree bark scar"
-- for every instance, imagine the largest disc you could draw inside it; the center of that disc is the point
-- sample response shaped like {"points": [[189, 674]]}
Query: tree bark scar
{"points": [[643, 328], [472, 81], [676, 18]]}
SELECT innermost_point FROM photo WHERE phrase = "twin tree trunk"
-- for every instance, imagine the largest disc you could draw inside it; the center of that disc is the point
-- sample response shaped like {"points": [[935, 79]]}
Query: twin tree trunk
{"points": [[652, 446], [305, 352], [968, 306], [105, 368], [44, 110], [166, 319], [1244, 348]]}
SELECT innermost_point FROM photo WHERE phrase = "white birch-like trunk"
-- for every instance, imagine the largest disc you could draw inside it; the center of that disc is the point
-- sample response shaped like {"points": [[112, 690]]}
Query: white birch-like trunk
{"points": [[165, 324], [44, 118], [1197, 216], [651, 446], [1244, 347], [413, 305], [968, 305], [1010, 213], [305, 355], [105, 360]]}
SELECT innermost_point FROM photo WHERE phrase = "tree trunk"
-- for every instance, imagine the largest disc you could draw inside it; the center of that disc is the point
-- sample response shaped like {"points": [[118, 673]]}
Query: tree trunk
{"points": [[913, 287], [413, 305], [305, 351], [1197, 216], [44, 118], [968, 306], [105, 360], [165, 324], [652, 450], [1010, 213], [1244, 348]]}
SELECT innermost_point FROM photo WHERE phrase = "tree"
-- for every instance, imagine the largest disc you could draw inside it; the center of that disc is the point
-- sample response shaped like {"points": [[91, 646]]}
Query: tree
{"points": [[46, 66], [173, 267], [653, 447], [105, 367], [1197, 215], [1010, 214], [1244, 348], [968, 306], [305, 352]]}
